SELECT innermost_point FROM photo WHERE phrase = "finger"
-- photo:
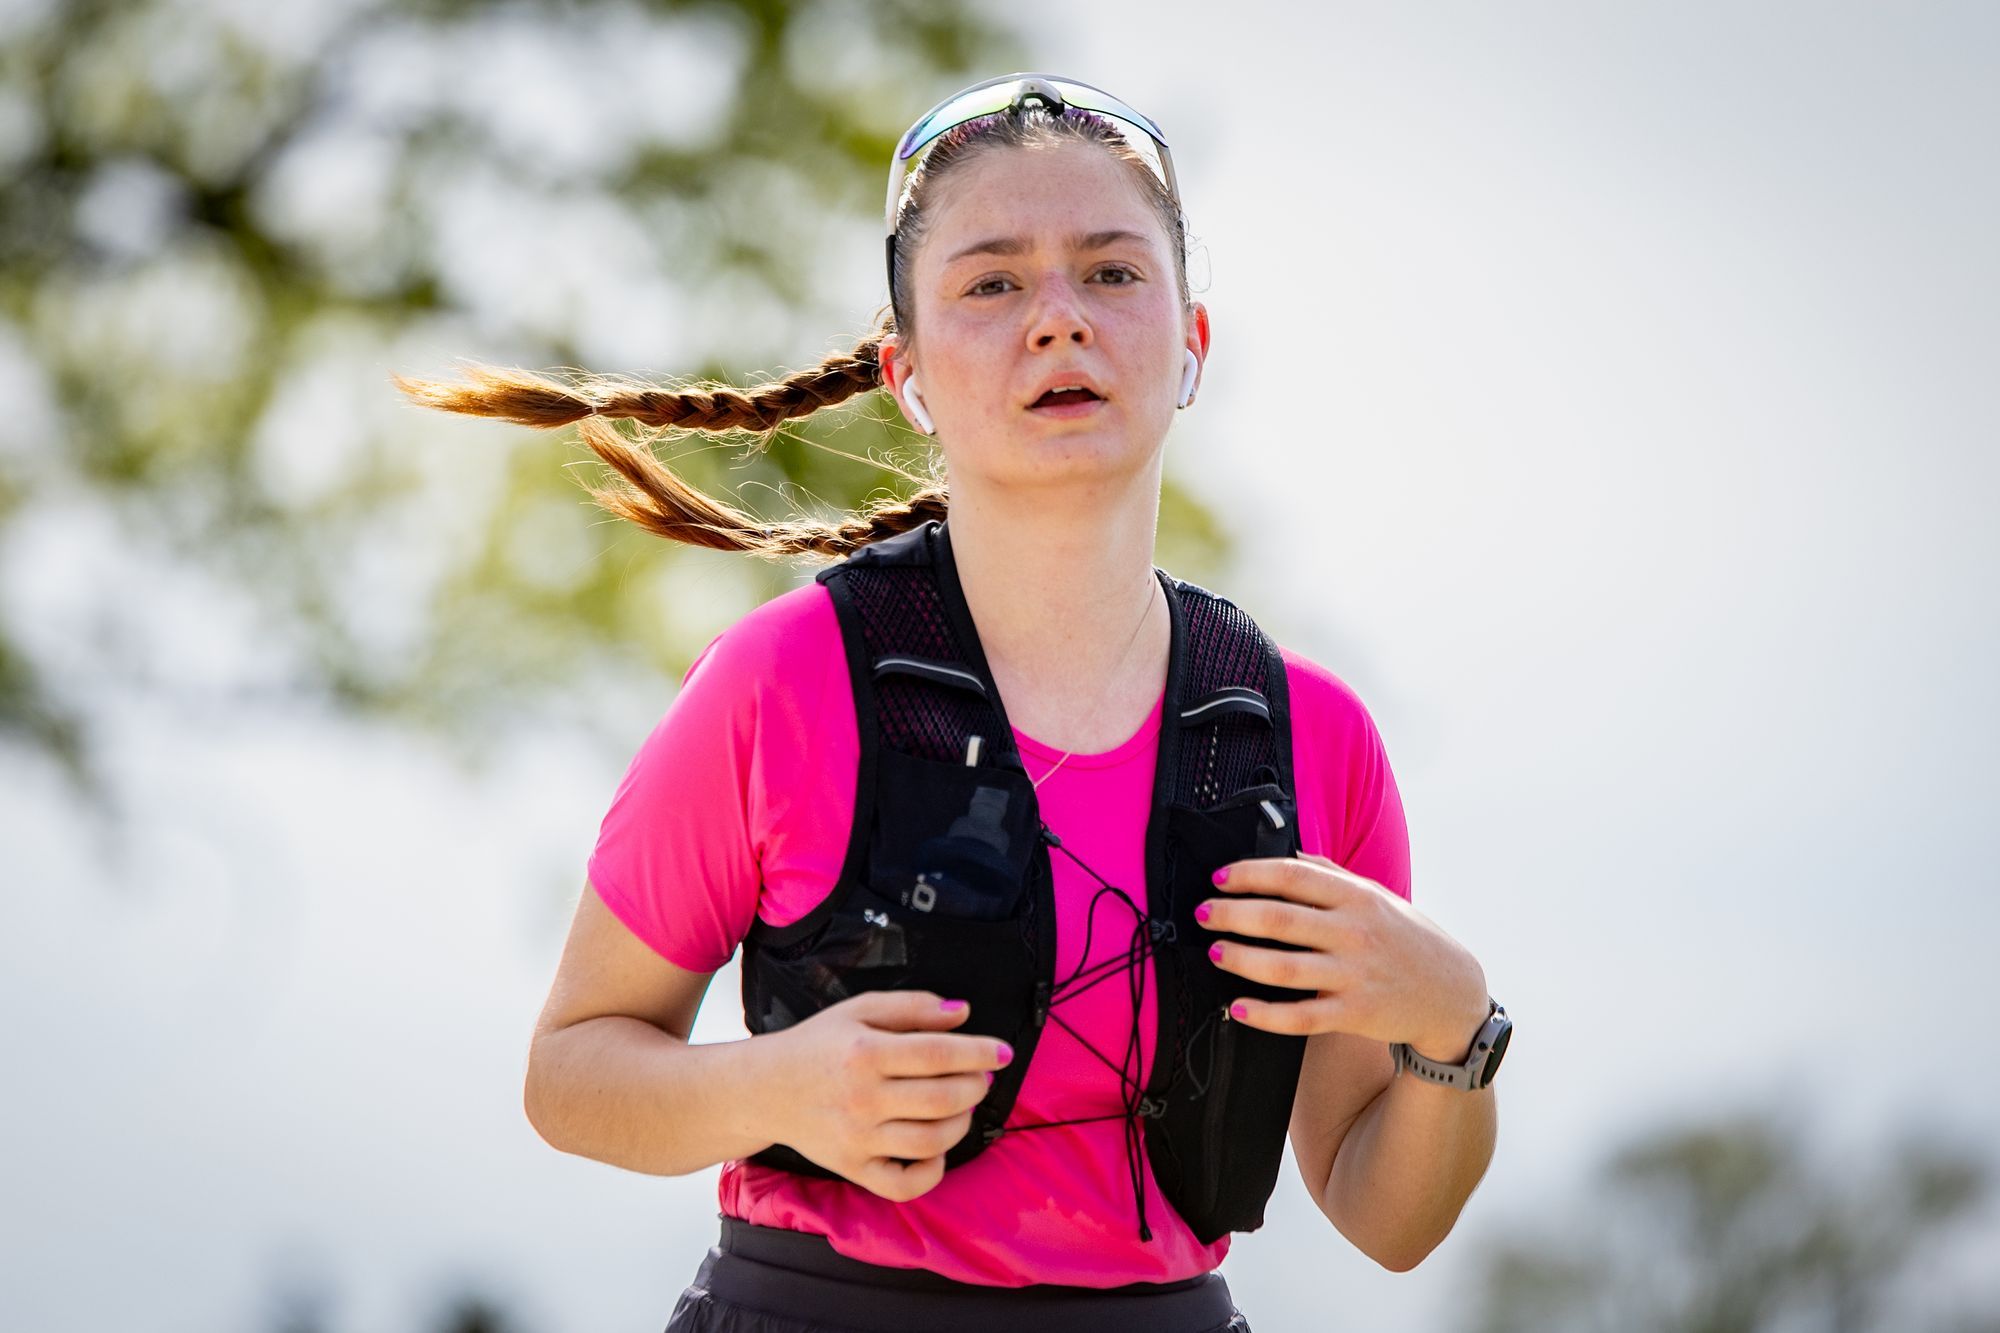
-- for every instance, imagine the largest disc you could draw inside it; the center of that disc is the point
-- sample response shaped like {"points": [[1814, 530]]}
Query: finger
{"points": [[899, 1180], [1269, 918], [908, 1010], [924, 1054], [929, 1098], [920, 1139], [1299, 969], [1307, 882], [1293, 1017]]}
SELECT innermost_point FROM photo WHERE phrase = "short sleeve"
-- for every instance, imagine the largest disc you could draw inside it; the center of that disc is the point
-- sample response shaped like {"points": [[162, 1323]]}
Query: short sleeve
{"points": [[713, 787], [1350, 810]]}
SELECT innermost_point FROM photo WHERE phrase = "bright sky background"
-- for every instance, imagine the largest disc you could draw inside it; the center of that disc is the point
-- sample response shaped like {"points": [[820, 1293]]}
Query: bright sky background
{"points": [[1606, 393]]}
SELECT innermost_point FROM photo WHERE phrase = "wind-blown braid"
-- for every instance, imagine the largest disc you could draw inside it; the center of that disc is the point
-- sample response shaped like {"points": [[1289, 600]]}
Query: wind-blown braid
{"points": [[653, 497], [529, 399], [662, 503]]}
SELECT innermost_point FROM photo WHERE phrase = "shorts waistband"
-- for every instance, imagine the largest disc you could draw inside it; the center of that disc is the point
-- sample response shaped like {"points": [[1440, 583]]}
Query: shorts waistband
{"points": [[800, 1274]]}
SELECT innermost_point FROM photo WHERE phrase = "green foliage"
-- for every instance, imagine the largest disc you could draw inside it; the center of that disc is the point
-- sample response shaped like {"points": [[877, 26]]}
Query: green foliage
{"points": [[1731, 1226], [221, 230]]}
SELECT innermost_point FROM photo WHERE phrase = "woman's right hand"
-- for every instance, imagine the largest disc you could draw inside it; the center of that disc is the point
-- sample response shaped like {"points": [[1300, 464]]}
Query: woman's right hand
{"points": [[878, 1088]]}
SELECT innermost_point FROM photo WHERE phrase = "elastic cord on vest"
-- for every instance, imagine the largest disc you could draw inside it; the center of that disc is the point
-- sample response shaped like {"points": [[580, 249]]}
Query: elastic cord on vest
{"points": [[1131, 1069]]}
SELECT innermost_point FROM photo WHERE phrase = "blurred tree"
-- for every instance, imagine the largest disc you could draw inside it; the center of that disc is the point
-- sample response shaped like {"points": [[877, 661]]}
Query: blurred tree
{"points": [[223, 224], [1730, 1227]]}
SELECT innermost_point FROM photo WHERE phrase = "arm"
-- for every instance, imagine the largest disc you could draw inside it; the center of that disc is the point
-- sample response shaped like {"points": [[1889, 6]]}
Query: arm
{"points": [[611, 1075], [876, 1087], [1410, 1160]]}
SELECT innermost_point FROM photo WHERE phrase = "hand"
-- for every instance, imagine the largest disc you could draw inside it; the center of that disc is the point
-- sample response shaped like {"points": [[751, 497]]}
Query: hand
{"points": [[874, 1087], [1381, 968]]}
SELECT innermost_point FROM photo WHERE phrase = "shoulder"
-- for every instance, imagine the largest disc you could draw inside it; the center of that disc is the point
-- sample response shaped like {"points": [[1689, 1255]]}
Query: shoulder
{"points": [[1320, 696], [1331, 725], [1344, 771], [771, 643]]}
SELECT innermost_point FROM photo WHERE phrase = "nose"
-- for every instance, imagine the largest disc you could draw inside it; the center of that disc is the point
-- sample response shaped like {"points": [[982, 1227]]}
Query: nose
{"points": [[1058, 317]]}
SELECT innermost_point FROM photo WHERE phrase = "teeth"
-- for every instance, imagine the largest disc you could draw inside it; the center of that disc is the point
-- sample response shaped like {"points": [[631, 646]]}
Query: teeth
{"points": [[1067, 389]]}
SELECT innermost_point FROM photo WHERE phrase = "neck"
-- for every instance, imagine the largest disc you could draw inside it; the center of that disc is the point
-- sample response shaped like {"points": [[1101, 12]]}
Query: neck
{"points": [[1060, 595]]}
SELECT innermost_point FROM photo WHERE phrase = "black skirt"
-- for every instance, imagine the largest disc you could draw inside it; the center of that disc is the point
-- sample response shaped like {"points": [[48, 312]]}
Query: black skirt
{"points": [[759, 1279]]}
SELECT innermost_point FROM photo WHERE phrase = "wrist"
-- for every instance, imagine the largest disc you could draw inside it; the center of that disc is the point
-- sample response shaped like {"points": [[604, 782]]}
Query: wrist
{"points": [[769, 1097], [1455, 1048]]}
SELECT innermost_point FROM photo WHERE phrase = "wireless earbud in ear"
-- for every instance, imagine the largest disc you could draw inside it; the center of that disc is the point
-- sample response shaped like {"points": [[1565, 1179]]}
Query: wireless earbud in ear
{"points": [[1187, 378], [916, 406]]}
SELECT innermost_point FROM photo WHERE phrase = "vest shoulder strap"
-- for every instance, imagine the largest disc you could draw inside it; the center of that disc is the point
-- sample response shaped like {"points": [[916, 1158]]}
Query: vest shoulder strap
{"points": [[1229, 726]]}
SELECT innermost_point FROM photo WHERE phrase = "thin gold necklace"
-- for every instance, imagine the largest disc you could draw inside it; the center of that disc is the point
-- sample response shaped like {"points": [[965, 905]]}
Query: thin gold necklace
{"points": [[1037, 782]]}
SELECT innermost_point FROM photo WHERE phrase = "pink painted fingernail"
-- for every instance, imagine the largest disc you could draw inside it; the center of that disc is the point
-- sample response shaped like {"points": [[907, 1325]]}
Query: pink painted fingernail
{"points": [[1238, 1010], [1215, 953], [989, 1076], [951, 1006], [1201, 912], [1221, 876], [1006, 1054]]}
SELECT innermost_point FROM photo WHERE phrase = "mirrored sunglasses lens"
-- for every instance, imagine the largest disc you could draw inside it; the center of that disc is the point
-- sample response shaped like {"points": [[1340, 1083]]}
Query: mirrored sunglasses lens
{"points": [[981, 102], [1092, 100]]}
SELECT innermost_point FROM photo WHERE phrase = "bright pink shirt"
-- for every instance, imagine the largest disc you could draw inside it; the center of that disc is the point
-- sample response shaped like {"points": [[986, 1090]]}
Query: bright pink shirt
{"points": [[738, 805]]}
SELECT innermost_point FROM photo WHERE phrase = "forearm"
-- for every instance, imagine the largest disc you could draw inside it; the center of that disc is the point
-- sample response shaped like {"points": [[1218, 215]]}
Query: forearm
{"points": [[1406, 1168], [619, 1090]]}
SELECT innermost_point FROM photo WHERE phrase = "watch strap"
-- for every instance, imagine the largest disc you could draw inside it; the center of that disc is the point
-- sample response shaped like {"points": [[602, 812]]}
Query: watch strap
{"points": [[1474, 1073]]}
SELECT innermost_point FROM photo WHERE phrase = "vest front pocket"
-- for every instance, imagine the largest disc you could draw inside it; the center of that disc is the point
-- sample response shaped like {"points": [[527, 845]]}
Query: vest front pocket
{"points": [[1233, 1095], [952, 869], [952, 841]]}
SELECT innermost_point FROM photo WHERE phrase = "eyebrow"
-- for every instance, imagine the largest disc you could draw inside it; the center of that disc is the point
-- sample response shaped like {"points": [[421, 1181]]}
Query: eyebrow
{"points": [[1015, 245]]}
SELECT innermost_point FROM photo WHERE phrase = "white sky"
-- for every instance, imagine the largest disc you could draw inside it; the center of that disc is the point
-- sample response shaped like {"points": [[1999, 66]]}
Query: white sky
{"points": [[1607, 394]]}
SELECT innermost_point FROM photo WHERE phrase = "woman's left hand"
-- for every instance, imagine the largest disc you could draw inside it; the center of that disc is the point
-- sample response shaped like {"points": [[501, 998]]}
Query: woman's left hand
{"points": [[1381, 968]]}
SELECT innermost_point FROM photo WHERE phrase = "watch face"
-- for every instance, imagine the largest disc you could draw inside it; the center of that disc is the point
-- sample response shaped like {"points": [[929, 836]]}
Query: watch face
{"points": [[1492, 1066]]}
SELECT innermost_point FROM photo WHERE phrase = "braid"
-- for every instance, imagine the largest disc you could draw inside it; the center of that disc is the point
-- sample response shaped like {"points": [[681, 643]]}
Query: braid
{"points": [[652, 496], [529, 399], [660, 502], [833, 380]]}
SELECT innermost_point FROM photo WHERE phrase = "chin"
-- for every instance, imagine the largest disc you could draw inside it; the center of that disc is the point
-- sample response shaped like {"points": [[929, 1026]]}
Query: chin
{"points": [[1065, 457]]}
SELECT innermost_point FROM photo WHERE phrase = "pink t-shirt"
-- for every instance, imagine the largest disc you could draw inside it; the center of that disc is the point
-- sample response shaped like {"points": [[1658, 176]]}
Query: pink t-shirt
{"points": [[738, 804]]}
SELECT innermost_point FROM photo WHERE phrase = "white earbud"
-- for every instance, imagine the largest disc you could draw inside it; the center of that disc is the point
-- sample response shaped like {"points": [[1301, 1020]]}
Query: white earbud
{"points": [[916, 405], [1187, 378]]}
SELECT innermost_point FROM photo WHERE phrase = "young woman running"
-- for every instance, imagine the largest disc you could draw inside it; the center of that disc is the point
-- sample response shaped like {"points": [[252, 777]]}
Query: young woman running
{"points": [[980, 766]]}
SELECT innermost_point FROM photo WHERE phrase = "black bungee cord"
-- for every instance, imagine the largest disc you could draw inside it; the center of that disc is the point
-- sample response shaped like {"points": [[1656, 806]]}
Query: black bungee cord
{"points": [[1131, 1070]]}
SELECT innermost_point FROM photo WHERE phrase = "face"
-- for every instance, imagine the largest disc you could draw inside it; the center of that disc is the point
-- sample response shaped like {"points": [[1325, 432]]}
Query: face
{"points": [[1044, 267]]}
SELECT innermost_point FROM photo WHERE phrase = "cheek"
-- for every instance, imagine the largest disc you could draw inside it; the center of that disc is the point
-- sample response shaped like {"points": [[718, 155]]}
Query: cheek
{"points": [[969, 354]]}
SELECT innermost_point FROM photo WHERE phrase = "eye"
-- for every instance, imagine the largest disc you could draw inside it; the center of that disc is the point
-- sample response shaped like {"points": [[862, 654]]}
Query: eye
{"points": [[983, 282], [1128, 276]]}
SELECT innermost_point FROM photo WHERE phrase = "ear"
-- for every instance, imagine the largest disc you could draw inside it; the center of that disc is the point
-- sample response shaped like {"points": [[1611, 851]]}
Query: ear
{"points": [[900, 378], [895, 368], [889, 355], [1197, 339]]}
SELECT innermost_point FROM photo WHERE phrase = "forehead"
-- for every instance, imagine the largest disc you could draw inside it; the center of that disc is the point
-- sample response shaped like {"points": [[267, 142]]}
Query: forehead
{"points": [[1044, 194]]}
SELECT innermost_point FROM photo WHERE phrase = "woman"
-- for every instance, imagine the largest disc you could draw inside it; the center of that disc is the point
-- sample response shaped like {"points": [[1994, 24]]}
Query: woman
{"points": [[970, 772]]}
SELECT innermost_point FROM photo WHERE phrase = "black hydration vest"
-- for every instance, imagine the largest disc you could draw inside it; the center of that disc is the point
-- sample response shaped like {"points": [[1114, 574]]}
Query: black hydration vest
{"points": [[947, 883]]}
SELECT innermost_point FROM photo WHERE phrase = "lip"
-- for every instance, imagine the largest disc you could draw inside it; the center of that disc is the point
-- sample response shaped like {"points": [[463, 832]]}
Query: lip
{"points": [[1057, 381], [1066, 411]]}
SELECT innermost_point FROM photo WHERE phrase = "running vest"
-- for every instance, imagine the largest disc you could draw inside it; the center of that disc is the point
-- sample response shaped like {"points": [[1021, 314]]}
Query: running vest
{"points": [[947, 884]]}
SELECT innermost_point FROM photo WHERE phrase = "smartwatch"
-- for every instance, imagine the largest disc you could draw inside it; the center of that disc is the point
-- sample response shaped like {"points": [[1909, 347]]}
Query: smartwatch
{"points": [[1481, 1063]]}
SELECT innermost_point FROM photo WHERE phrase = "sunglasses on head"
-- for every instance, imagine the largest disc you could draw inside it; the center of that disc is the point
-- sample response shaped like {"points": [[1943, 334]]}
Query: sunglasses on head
{"points": [[1012, 92]]}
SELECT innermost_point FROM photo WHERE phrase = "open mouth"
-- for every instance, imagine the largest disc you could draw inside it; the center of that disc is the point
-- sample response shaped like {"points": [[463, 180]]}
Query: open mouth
{"points": [[1058, 400]]}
